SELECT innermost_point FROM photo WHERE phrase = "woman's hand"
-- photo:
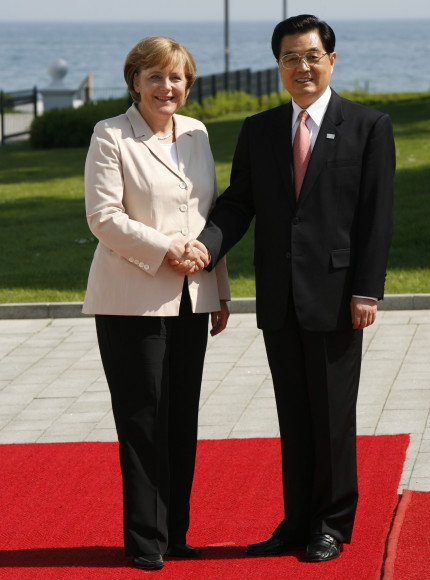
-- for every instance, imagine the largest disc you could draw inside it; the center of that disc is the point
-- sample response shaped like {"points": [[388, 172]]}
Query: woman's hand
{"points": [[219, 319], [187, 258]]}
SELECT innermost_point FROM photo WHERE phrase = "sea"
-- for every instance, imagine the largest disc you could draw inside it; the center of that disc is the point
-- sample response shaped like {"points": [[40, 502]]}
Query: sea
{"points": [[373, 55]]}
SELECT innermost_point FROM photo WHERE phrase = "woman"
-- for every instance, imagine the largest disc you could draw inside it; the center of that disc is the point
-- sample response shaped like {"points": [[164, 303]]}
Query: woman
{"points": [[149, 186]]}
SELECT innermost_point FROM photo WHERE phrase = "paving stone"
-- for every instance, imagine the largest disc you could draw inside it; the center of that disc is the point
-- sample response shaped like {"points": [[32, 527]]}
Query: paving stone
{"points": [[53, 389], [42, 404], [103, 435], [11, 398], [246, 371], [107, 422], [89, 406], [411, 399], [412, 452], [425, 446], [367, 416], [269, 431], [214, 431], [20, 424], [61, 438], [95, 396], [90, 417], [228, 398], [421, 467], [78, 430], [419, 484], [29, 436], [219, 414], [371, 393], [397, 421], [215, 371], [365, 430]]}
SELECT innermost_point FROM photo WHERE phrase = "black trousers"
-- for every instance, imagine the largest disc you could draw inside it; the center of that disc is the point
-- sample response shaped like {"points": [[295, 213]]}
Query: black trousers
{"points": [[316, 377], [154, 367]]}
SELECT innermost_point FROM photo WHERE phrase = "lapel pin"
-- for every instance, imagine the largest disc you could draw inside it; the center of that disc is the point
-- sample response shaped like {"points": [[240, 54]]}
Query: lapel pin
{"points": [[330, 136]]}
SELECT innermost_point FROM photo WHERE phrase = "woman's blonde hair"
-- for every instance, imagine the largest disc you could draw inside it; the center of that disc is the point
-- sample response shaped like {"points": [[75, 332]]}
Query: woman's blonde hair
{"points": [[157, 51]]}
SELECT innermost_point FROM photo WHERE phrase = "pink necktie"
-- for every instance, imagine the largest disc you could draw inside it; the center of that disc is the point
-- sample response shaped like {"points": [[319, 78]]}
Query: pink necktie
{"points": [[301, 151]]}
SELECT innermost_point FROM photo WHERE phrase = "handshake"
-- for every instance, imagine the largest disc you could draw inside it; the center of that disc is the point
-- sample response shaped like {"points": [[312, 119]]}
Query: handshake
{"points": [[187, 257]]}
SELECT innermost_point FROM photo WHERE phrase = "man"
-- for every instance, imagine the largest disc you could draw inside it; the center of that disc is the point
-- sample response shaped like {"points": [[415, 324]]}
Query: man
{"points": [[321, 190]]}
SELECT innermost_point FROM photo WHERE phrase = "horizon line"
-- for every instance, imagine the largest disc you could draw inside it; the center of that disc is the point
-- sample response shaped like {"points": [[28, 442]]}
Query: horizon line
{"points": [[220, 20]]}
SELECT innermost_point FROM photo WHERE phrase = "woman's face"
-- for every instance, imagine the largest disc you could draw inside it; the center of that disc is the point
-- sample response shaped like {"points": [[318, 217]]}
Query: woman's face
{"points": [[162, 91]]}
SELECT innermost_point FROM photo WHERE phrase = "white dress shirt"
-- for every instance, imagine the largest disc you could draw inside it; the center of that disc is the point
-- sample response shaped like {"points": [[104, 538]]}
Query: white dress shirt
{"points": [[172, 151], [316, 115]]}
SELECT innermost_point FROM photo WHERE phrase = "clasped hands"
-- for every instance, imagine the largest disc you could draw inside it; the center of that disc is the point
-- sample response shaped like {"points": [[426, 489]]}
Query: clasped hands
{"points": [[187, 257]]}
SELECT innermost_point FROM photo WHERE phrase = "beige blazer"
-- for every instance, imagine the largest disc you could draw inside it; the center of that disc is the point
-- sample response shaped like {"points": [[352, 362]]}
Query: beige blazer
{"points": [[137, 201]]}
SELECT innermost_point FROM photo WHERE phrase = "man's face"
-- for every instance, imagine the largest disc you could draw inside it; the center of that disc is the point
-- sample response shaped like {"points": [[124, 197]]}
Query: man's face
{"points": [[306, 83]]}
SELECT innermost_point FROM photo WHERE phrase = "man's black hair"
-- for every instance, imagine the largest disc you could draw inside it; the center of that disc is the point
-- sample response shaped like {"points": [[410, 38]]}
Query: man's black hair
{"points": [[299, 25]]}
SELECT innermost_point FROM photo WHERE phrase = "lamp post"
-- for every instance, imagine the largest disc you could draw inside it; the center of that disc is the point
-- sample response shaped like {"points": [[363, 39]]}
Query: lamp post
{"points": [[285, 11], [226, 37]]}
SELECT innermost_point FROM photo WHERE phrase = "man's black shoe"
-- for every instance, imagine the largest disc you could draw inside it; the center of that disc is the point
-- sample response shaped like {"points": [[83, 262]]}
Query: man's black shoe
{"points": [[272, 546], [183, 551], [149, 562], [322, 548]]}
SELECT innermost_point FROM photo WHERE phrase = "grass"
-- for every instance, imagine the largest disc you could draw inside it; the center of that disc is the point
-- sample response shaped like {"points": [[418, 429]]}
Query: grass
{"points": [[46, 247], [45, 243]]}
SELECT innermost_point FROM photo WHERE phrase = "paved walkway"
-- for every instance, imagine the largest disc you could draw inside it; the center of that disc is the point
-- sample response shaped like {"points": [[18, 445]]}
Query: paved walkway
{"points": [[52, 386]]}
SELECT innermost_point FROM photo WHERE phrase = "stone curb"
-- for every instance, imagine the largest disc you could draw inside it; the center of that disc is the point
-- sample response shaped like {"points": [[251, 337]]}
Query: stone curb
{"points": [[237, 306]]}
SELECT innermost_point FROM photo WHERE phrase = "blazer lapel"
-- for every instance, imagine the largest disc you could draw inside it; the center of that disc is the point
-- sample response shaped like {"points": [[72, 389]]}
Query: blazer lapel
{"points": [[280, 140], [328, 135], [184, 142], [143, 132]]}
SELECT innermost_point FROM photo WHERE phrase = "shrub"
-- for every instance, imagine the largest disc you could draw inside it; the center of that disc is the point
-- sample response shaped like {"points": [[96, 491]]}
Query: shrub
{"points": [[71, 127], [225, 103]]}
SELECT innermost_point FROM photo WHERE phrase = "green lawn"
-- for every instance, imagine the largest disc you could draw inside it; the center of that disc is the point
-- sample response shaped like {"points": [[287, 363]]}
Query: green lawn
{"points": [[46, 247]]}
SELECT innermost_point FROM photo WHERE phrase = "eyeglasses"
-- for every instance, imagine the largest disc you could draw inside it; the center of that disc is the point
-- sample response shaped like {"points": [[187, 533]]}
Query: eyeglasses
{"points": [[293, 60]]}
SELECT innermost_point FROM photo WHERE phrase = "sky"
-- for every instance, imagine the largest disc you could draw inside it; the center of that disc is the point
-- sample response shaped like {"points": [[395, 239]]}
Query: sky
{"points": [[171, 10]]}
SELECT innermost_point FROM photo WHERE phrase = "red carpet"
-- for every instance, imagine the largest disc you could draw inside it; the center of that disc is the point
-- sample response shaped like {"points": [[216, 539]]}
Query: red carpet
{"points": [[60, 508], [408, 550]]}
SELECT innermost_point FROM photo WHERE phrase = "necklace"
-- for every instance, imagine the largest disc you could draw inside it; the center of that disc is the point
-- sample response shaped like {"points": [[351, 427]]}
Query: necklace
{"points": [[166, 136]]}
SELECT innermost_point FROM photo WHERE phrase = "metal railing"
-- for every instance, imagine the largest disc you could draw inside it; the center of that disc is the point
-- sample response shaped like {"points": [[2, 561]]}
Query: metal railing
{"points": [[259, 83], [85, 91], [17, 111], [19, 108]]}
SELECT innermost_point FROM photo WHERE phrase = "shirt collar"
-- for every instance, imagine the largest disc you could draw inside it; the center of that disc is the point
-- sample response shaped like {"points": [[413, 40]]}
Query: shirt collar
{"points": [[316, 110]]}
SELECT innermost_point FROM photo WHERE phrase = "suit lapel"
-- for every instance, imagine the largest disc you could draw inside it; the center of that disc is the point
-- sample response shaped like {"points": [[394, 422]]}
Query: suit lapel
{"points": [[280, 141], [328, 135], [143, 132]]}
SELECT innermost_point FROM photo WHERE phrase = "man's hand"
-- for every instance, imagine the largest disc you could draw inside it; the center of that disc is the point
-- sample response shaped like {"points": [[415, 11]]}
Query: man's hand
{"points": [[219, 319], [363, 312], [187, 257]]}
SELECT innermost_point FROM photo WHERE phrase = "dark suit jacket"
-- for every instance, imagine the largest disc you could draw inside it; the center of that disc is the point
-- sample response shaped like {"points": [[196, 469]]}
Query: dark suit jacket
{"points": [[334, 241]]}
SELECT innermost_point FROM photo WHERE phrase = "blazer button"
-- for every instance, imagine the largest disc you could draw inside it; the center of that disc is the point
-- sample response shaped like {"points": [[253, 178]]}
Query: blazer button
{"points": [[183, 207], [184, 231], [183, 185], [141, 265], [146, 267]]}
